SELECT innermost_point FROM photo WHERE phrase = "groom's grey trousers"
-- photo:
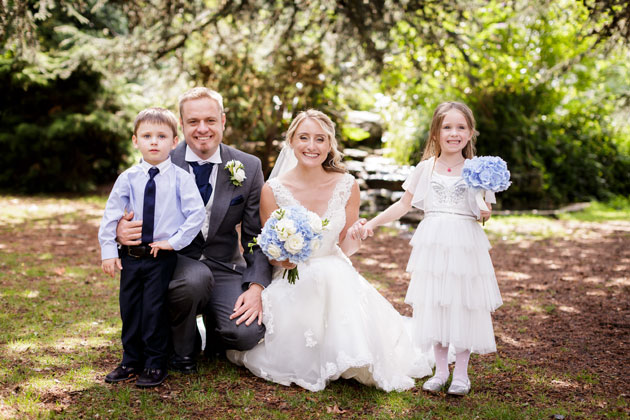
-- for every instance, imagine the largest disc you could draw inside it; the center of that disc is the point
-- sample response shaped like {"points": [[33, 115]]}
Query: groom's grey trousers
{"points": [[197, 289]]}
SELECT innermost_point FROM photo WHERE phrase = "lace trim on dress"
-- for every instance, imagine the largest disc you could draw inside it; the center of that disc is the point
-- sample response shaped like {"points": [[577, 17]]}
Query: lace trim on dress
{"points": [[338, 199]]}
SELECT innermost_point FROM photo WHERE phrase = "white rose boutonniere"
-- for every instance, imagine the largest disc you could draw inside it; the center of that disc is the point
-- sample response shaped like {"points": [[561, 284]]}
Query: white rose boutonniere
{"points": [[237, 172]]}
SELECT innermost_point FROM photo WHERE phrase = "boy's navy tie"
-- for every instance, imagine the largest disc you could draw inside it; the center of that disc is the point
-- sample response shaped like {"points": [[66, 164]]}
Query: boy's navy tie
{"points": [[202, 176], [148, 208]]}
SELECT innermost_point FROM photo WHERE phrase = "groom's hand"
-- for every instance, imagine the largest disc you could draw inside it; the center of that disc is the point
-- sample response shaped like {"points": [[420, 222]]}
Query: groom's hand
{"points": [[248, 306], [129, 232]]}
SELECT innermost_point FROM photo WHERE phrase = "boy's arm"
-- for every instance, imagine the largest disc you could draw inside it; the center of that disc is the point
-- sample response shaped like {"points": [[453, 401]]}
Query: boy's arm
{"points": [[117, 202], [193, 210]]}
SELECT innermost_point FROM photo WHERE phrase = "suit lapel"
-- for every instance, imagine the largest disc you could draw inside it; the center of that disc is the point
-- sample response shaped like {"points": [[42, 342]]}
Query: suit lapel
{"points": [[223, 191]]}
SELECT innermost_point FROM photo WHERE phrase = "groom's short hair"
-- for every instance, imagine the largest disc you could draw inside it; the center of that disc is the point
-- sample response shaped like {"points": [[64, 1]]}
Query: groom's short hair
{"points": [[200, 92]]}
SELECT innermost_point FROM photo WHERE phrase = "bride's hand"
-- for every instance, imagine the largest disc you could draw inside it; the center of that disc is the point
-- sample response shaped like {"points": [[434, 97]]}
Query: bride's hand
{"points": [[284, 264]]}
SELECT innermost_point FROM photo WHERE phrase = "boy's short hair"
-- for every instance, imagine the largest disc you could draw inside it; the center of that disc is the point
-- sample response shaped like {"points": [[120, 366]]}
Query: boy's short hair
{"points": [[200, 92], [156, 115]]}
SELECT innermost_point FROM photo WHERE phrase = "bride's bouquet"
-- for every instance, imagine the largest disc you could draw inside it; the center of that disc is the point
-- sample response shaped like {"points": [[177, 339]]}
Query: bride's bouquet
{"points": [[488, 173], [291, 234]]}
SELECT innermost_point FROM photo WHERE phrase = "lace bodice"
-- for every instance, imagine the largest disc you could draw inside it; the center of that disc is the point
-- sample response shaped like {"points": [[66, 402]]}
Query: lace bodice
{"points": [[335, 212], [448, 194]]}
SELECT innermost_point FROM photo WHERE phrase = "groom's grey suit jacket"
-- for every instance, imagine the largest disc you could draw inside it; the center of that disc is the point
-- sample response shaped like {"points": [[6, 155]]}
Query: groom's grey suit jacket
{"points": [[232, 205]]}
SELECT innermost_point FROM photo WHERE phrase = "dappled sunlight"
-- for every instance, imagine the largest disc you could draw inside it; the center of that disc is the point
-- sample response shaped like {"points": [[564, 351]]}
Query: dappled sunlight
{"points": [[515, 342], [619, 281], [370, 261], [558, 383], [17, 347], [30, 294], [15, 210], [569, 309], [513, 275]]}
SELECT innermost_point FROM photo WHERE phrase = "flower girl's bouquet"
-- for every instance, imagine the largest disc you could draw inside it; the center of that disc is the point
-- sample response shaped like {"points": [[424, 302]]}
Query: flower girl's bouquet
{"points": [[488, 173], [291, 233]]}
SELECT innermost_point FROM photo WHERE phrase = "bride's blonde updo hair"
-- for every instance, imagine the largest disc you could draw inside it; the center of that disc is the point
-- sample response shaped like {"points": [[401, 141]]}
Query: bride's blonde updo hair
{"points": [[333, 160]]}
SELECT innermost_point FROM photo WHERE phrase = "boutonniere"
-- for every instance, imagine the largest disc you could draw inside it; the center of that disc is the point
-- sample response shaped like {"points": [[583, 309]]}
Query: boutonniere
{"points": [[237, 172]]}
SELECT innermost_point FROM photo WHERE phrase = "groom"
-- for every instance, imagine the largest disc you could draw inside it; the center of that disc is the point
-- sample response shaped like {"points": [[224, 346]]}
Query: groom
{"points": [[213, 276]]}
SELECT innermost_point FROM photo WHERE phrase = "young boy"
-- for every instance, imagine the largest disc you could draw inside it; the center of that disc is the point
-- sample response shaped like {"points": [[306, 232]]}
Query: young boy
{"points": [[167, 200]]}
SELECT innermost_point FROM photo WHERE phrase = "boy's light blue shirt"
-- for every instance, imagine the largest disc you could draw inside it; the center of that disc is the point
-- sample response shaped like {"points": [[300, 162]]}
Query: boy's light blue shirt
{"points": [[179, 209]]}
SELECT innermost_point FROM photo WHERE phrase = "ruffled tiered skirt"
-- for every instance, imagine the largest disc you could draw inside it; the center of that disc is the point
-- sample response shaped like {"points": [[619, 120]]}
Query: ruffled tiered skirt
{"points": [[453, 288], [332, 323]]}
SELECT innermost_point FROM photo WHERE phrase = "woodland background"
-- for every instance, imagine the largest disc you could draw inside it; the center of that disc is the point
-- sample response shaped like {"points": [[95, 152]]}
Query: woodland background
{"points": [[549, 82]]}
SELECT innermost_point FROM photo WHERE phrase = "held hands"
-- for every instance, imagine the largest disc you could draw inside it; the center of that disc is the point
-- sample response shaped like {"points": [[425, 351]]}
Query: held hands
{"points": [[129, 232], [111, 266], [361, 229], [248, 306], [156, 246]]}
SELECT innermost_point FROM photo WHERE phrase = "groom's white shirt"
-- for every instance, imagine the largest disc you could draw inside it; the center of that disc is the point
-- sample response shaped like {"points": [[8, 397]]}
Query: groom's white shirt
{"points": [[216, 159]]}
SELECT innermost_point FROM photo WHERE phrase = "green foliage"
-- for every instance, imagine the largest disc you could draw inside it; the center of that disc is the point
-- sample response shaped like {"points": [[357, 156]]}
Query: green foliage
{"points": [[546, 94], [57, 133]]}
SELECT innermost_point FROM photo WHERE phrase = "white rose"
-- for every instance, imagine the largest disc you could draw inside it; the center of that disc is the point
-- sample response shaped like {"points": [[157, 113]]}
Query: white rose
{"points": [[274, 251], [315, 244], [239, 175], [315, 222], [294, 243], [285, 228]]}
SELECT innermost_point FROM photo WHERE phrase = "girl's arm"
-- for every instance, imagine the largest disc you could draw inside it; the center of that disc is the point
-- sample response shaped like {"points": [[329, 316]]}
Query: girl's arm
{"points": [[393, 212], [350, 244]]}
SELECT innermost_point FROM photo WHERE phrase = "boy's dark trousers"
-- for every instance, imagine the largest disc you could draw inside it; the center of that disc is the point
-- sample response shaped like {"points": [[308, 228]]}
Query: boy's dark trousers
{"points": [[143, 286]]}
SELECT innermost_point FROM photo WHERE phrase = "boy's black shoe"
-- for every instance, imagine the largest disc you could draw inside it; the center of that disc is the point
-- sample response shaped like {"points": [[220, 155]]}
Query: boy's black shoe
{"points": [[151, 377], [121, 373]]}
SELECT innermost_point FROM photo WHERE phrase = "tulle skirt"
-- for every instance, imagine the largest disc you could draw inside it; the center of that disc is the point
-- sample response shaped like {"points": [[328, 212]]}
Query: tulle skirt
{"points": [[332, 323], [453, 288]]}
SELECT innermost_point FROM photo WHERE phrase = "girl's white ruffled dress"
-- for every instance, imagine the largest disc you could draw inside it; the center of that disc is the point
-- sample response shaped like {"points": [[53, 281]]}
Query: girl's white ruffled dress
{"points": [[331, 323], [453, 288]]}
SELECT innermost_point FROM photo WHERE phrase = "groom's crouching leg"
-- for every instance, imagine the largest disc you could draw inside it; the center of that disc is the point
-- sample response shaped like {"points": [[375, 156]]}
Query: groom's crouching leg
{"points": [[224, 296], [242, 337], [189, 292]]}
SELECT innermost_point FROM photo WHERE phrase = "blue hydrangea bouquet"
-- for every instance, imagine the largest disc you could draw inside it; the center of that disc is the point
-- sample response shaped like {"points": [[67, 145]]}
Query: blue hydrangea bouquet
{"points": [[489, 173], [290, 234]]}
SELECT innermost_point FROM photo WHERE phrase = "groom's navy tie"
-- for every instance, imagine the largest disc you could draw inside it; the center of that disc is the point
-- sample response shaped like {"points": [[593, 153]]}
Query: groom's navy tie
{"points": [[148, 208], [202, 176]]}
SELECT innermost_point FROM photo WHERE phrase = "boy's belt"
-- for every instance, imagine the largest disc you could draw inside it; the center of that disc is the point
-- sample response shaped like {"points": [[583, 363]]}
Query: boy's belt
{"points": [[141, 251]]}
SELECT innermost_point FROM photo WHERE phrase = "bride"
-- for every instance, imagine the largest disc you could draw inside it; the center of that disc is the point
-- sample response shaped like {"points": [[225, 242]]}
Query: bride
{"points": [[331, 323]]}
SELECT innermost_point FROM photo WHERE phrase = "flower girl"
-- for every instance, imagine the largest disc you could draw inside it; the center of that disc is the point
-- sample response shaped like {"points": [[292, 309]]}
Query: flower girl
{"points": [[453, 288]]}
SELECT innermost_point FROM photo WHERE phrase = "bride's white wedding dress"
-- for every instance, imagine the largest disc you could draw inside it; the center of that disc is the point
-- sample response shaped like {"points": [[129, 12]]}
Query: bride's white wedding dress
{"points": [[331, 323]]}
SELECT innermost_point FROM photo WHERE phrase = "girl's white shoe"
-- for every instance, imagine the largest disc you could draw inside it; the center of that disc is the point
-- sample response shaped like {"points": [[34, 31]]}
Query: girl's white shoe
{"points": [[459, 387], [434, 384]]}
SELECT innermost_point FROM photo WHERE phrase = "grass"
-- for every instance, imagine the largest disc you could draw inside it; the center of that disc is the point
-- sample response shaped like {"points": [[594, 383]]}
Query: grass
{"points": [[60, 327]]}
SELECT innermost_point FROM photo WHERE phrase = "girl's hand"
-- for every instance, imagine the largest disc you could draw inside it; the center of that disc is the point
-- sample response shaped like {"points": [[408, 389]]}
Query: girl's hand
{"points": [[111, 266], [485, 215], [356, 231], [156, 246], [286, 264]]}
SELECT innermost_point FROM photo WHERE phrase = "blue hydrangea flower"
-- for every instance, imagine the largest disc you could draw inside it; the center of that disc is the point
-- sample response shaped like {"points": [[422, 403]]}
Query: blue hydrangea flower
{"points": [[487, 173], [290, 234]]}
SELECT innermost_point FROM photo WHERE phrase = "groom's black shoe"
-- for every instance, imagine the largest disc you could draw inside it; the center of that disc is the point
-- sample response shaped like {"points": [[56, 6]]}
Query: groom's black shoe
{"points": [[151, 377], [121, 373], [184, 364]]}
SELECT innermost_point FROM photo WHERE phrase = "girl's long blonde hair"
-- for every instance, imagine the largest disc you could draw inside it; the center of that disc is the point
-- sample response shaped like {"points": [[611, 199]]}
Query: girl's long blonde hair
{"points": [[333, 160], [432, 148]]}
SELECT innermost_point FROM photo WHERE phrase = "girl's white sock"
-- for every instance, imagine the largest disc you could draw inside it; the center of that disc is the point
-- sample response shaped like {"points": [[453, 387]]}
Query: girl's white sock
{"points": [[441, 362], [460, 373]]}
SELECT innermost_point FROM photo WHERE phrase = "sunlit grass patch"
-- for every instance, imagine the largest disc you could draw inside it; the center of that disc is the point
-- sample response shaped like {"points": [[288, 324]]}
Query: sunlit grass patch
{"points": [[618, 208]]}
